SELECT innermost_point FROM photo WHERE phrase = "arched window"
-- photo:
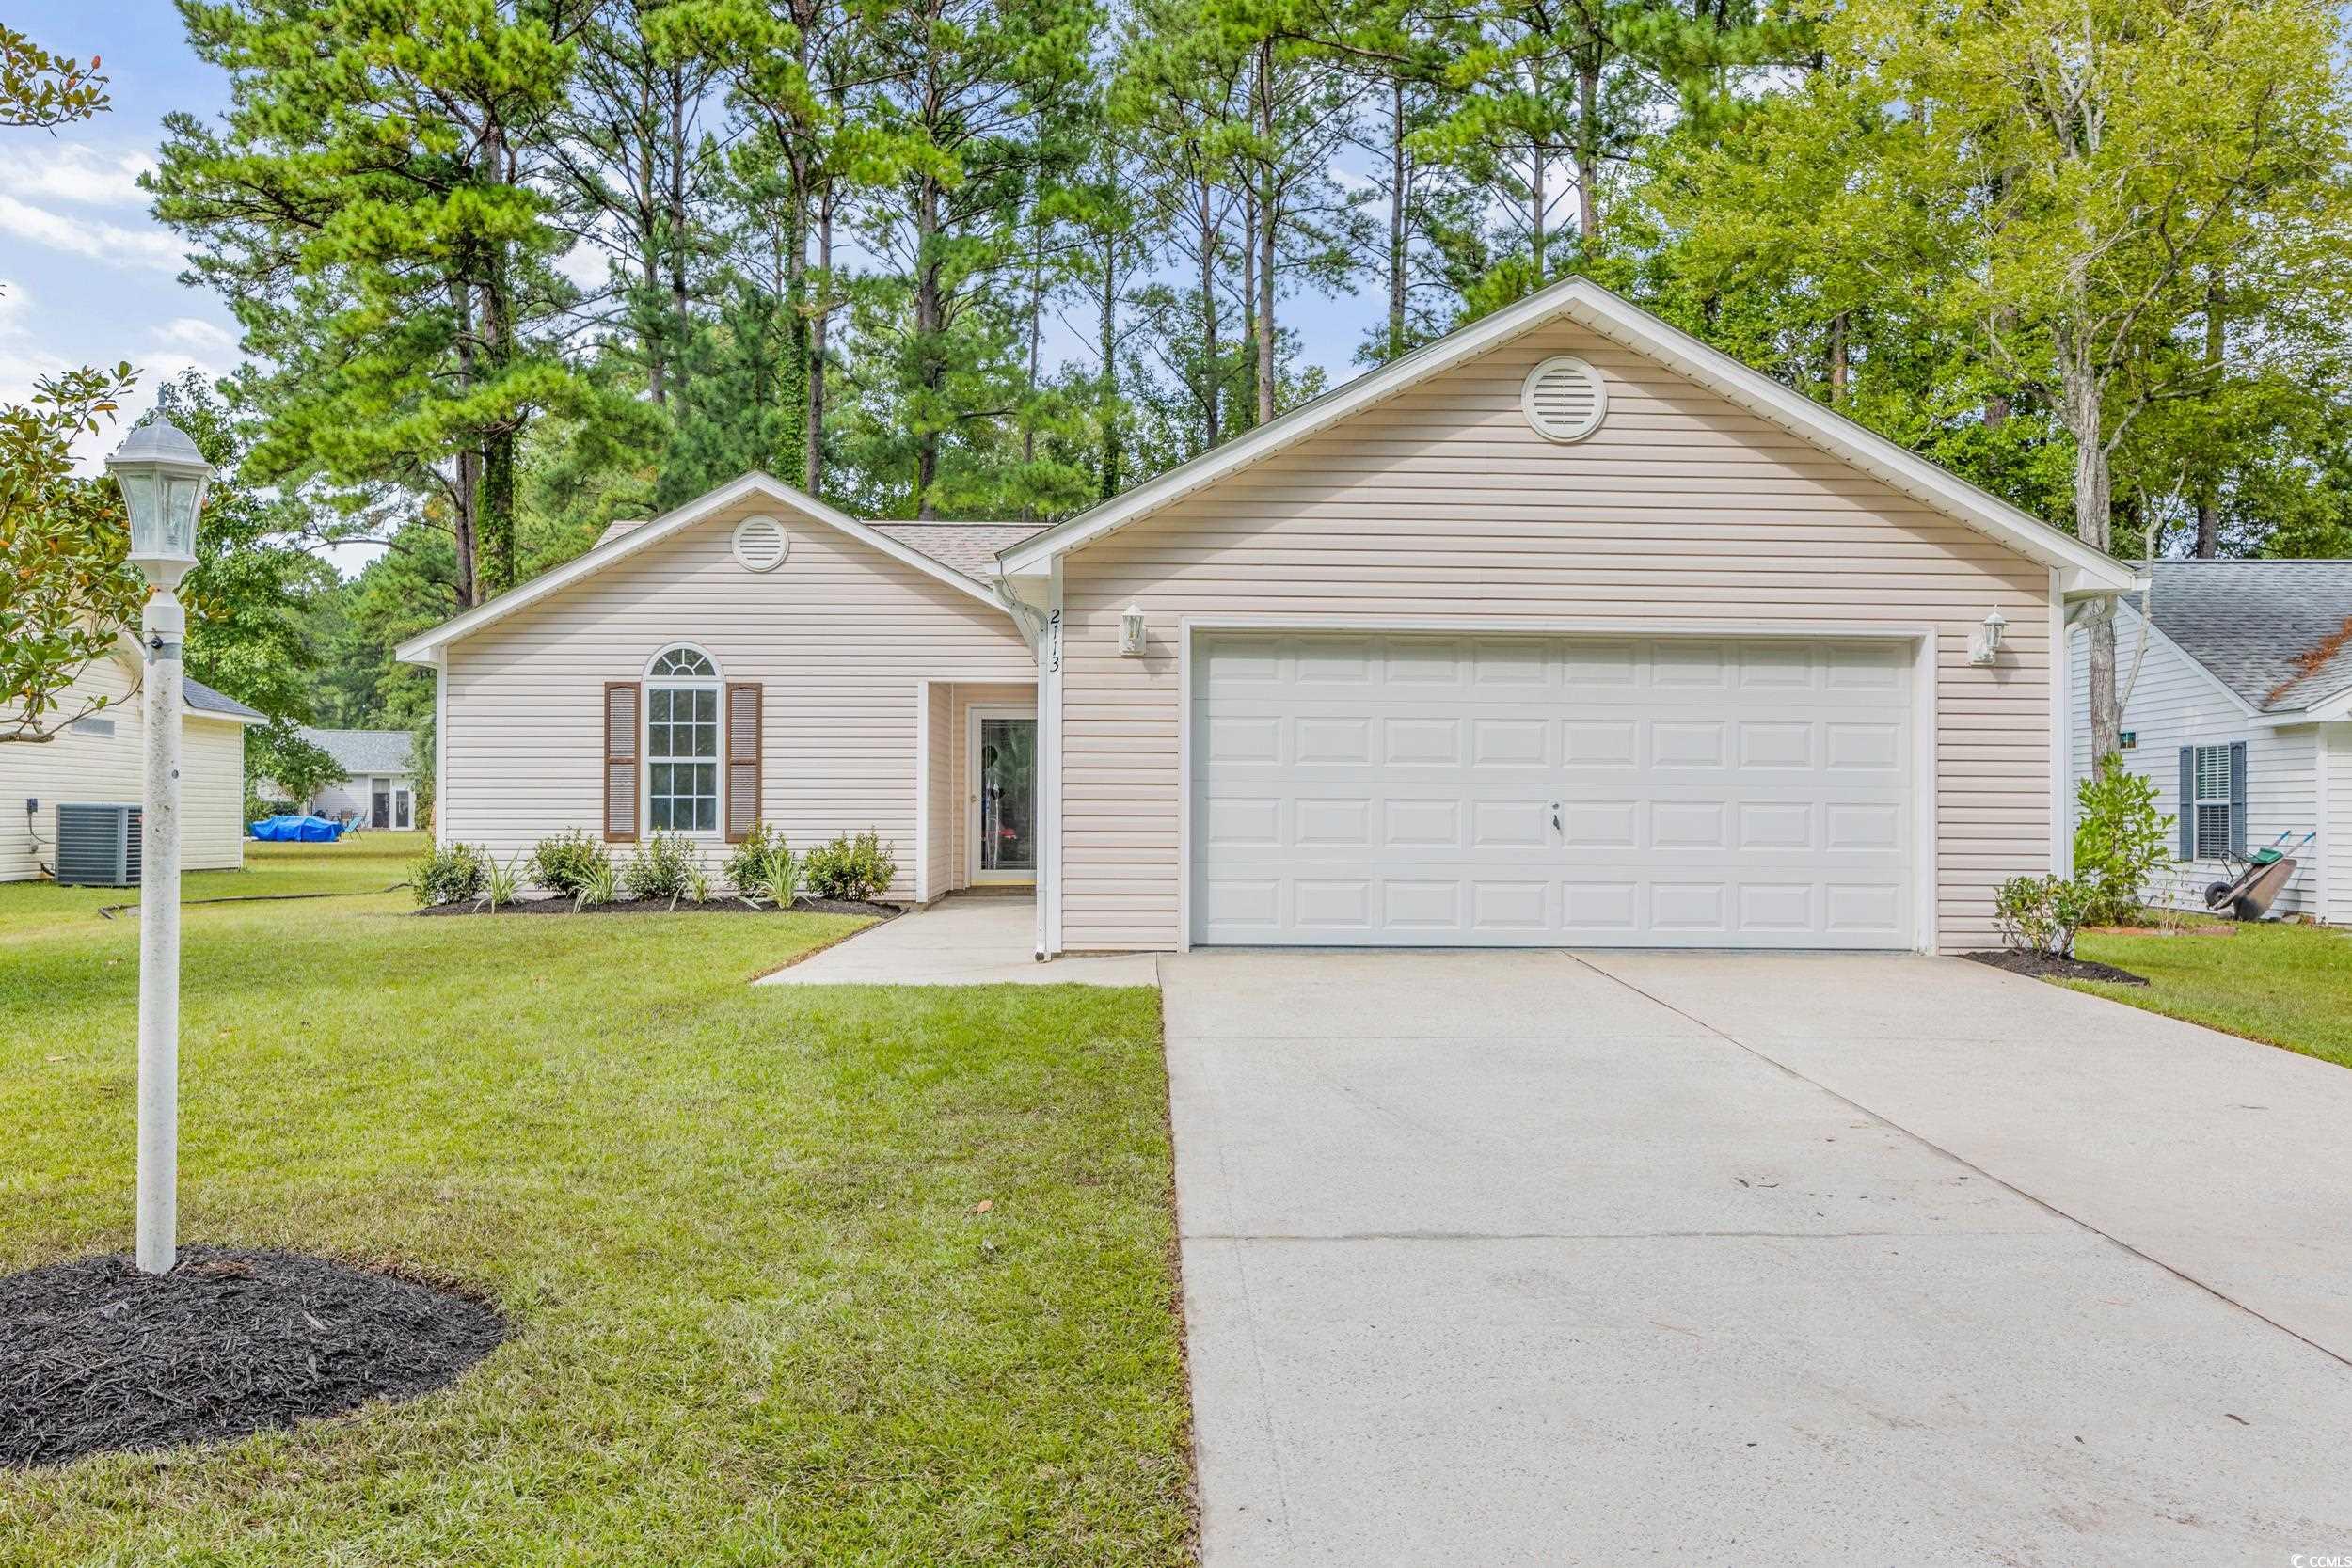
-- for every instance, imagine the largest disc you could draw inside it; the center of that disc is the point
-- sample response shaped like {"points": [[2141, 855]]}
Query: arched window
{"points": [[683, 742]]}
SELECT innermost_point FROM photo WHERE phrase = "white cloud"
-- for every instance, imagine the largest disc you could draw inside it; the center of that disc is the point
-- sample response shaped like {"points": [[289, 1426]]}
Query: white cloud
{"points": [[74, 172], [196, 336], [149, 249]]}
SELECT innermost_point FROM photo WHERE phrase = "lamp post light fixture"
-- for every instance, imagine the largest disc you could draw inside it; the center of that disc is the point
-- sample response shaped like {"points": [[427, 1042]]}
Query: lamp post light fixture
{"points": [[162, 478]]}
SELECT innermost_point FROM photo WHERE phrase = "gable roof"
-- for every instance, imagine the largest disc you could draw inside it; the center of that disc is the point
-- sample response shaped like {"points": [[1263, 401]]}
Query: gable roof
{"points": [[1580, 299], [365, 750], [198, 698], [619, 546], [2277, 633], [969, 547]]}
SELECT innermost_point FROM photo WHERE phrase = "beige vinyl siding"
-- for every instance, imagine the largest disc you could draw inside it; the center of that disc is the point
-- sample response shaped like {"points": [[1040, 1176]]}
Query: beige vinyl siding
{"points": [[1682, 510], [2173, 703], [944, 799], [839, 637], [112, 770]]}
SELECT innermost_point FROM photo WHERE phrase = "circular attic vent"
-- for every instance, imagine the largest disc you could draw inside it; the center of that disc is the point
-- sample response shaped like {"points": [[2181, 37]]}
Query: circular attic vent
{"points": [[761, 544], [1564, 399]]}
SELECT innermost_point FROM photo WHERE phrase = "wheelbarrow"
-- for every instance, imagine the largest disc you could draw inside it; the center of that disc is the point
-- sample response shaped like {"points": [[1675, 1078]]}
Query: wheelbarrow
{"points": [[2255, 879]]}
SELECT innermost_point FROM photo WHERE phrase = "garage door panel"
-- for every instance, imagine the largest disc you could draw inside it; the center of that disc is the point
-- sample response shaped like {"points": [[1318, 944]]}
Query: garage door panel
{"points": [[1427, 790]]}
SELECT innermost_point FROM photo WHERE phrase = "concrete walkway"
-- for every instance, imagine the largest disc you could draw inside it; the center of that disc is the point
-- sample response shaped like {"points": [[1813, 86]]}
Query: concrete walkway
{"points": [[969, 939], [1506, 1259]]}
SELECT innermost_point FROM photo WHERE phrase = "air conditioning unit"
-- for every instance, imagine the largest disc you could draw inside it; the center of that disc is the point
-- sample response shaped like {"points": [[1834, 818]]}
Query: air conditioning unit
{"points": [[98, 845]]}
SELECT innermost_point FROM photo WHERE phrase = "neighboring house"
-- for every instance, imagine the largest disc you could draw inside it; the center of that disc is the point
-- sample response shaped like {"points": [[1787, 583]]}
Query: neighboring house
{"points": [[2242, 708], [1565, 630], [100, 759], [380, 788]]}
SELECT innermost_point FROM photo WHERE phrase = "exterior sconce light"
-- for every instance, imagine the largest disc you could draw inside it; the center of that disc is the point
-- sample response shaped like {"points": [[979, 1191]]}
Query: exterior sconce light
{"points": [[1131, 630], [1986, 644]]}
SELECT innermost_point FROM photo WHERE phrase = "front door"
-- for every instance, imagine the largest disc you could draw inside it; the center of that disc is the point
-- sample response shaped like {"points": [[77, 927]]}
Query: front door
{"points": [[1003, 743]]}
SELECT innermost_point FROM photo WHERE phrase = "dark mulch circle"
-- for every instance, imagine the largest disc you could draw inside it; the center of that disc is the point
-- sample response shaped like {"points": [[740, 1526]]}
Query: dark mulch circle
{"points": [[2042, 966], [97, 1357], [661, 905]]}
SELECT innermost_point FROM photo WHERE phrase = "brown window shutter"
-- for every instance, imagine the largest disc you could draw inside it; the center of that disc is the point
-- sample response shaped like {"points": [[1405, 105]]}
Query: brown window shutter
{"points": [[744, 754], [621, 708]]}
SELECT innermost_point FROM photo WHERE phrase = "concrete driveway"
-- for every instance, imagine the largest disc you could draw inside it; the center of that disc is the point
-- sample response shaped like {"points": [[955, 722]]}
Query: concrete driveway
{"points": [[1539, 1258]]}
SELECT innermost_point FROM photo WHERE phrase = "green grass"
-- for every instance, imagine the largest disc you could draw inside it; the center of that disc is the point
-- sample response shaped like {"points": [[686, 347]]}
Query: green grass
{"points": [[2286, 985], [757, 1319]]}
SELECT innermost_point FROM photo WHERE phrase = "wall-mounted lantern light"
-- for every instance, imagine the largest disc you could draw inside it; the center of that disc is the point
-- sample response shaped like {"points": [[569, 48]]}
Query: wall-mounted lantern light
{"points": [[1131, 630], [1986, 644]]}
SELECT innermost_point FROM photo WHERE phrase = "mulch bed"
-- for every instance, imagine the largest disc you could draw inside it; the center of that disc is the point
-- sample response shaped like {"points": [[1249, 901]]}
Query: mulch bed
{"points": [[662, 906], [2042, 966], [97, 1357]]}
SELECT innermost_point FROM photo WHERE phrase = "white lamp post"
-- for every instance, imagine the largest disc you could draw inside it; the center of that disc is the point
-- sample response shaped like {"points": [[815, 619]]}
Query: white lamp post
{"points": [[162, 478]]}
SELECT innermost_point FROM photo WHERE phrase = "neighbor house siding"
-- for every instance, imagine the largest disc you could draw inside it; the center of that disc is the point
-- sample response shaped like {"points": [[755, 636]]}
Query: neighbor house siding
{"points": [[1681, 510], [112, 770], [838, 636], [2335, 820], [2172, 704]]}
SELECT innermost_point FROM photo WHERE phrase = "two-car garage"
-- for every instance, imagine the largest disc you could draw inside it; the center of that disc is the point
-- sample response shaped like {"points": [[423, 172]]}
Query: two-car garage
{"points": [[1472, 789]]}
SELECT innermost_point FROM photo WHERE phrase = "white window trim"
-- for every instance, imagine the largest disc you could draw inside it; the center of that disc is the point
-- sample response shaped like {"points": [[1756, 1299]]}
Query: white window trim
{"points": [[2198, 799], [714, 682]]}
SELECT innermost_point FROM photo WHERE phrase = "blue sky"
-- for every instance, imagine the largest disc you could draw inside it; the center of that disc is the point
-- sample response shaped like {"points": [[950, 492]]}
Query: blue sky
{"points": [[87, 277]]}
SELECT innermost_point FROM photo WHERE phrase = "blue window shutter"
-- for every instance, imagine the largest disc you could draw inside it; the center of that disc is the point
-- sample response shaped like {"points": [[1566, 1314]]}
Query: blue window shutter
{"points": [[2237, 797], [2188, 803]]}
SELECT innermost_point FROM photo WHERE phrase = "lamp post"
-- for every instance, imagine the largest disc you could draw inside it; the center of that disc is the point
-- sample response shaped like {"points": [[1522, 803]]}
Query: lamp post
{"points": [[162, 478]]}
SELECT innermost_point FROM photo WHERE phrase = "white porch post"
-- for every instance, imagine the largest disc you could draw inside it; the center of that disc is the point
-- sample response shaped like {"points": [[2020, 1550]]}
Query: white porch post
{"points": [[162, 628]]}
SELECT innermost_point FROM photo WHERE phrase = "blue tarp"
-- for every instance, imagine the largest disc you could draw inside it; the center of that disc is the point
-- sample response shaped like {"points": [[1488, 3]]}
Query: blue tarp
{"points": [[297, 829]]}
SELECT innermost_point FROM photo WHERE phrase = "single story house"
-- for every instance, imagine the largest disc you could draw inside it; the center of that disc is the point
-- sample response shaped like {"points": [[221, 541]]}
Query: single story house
{"points": [[100, 759], [1566, 629], [2241, 714], [379, 787]]}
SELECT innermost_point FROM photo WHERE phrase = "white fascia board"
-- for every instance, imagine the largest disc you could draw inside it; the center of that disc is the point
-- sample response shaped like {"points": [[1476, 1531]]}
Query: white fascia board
{"points": [[417, 649], [2089, 571]]}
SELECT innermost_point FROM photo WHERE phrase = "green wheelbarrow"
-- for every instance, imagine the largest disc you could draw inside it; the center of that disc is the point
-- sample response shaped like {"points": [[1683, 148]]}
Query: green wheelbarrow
{"points": [[2255, 879]]}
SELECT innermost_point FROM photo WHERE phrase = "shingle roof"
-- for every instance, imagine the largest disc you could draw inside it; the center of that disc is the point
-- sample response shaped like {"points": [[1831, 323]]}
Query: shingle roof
{"points": [[2279, 633], [969, 547], [364, 750], [200, 698]]}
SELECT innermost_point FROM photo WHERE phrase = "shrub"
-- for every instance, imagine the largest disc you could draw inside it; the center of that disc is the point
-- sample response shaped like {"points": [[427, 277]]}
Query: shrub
{"points": [[2040, 914], [600, 884], [858, 868], [450, 874], [501, 883], [563, 863], [662, 868], [2119, 837], [763, 866]]}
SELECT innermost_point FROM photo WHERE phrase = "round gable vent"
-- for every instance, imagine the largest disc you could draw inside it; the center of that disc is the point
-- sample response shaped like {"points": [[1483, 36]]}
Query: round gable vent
{"points": [[1564, 399], [761, 544]]}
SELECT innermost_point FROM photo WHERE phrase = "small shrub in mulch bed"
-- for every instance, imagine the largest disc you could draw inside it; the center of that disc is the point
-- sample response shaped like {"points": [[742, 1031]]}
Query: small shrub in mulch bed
{"points": [[2047, 966], [97, 1357], [662, 906]]}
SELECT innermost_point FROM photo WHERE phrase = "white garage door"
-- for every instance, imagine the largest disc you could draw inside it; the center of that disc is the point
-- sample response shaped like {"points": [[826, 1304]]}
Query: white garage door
{"points": [[1416, 790]]}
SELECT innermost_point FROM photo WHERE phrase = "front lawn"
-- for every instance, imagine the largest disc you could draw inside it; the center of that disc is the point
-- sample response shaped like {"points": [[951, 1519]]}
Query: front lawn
{"points": [[2288, 984], [759, 1317]]}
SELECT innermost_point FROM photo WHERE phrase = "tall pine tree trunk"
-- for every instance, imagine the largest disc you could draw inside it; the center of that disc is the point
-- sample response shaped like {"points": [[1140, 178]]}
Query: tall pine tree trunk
{"points": [[1396, 217], [1248, 345], [813, 457], [1108, 484], [1536, 200], [1212, 349], [2209, 480], [2085, 415], [651, 340], [930, 367], [1588, 153], [467, 492], [1269, 213], [674, 204]]}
